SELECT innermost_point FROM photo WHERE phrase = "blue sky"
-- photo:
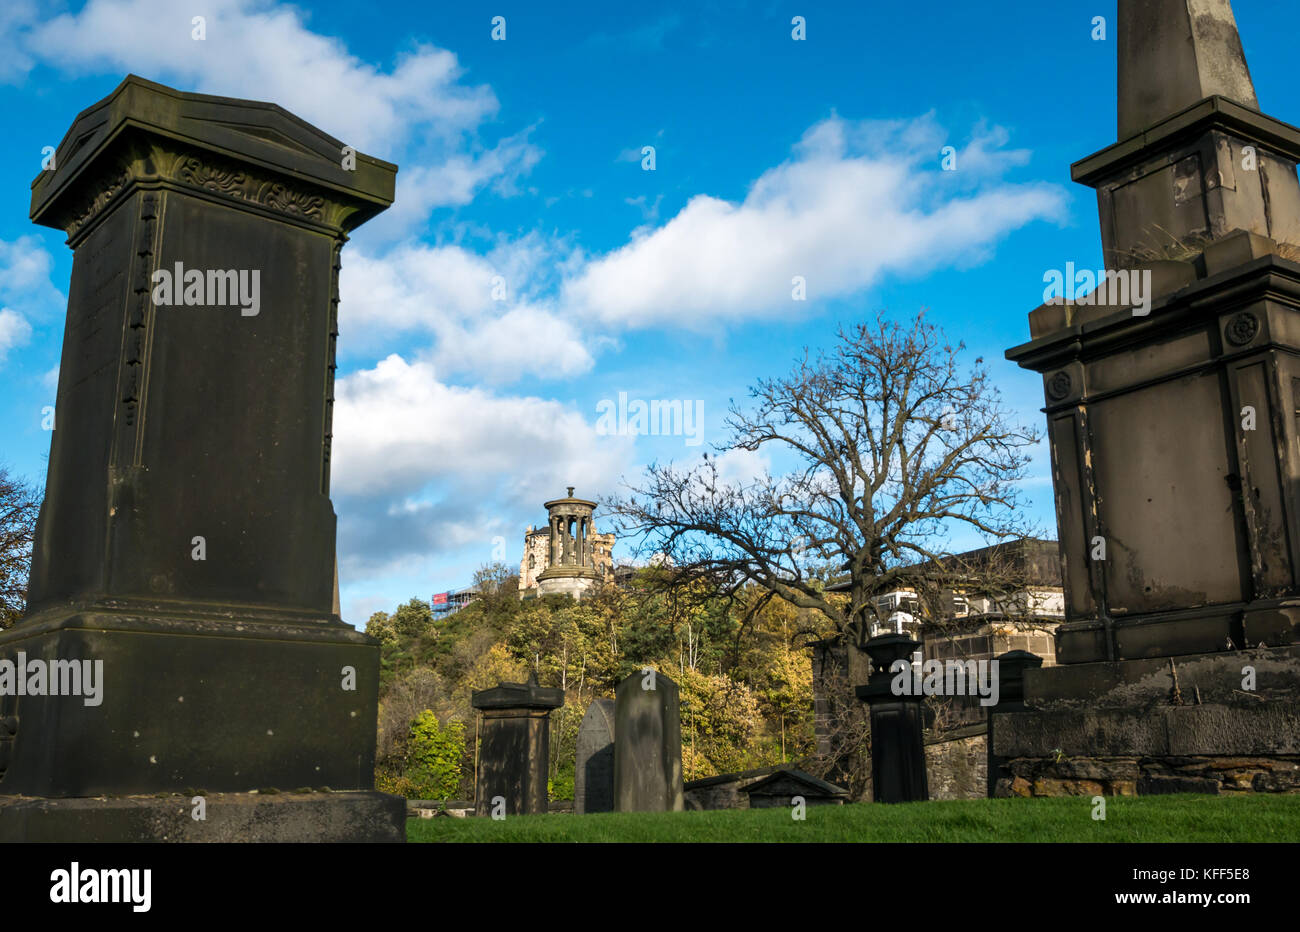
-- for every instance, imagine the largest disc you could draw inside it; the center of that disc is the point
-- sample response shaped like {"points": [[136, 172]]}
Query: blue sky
{"points": [[521, 162]]}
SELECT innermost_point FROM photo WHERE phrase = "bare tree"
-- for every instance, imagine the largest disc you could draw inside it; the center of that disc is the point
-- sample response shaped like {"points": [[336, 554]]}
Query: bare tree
{"points": [[20, 504], [892, 448]]}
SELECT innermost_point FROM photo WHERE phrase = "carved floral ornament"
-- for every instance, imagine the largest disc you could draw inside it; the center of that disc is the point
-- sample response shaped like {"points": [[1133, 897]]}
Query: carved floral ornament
{"points": [[212, 174], [1242, 328], [1059, 385]]}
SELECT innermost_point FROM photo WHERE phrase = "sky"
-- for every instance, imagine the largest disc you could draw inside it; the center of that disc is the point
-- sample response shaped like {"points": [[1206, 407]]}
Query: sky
{"points": [[536, 266]]}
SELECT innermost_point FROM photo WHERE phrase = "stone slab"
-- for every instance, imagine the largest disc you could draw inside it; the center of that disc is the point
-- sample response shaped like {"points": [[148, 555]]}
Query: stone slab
{"points": [[238, 817], [1266, 728]]}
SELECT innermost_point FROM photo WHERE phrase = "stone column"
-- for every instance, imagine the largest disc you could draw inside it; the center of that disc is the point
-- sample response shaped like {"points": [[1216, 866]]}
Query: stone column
{"points": [[186, 538], [514, 750], [897, 724]]}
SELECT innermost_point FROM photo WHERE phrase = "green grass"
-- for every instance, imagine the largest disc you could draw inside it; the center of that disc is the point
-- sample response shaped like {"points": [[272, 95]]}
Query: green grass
{"points": [[1128, 819]]}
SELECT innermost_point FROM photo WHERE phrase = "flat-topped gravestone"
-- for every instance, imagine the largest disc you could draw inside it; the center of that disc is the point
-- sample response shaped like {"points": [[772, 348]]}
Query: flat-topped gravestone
{"points": [[647, 745], [514, 747], [593, 779], [187, 539]]}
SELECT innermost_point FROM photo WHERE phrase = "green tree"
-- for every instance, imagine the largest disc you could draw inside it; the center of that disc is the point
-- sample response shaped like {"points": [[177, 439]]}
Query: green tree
{"points": [[381, 626], [433, 757], [414, 619]]}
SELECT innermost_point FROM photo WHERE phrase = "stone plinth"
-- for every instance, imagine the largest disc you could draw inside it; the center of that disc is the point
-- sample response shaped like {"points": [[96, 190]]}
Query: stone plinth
{"points": [[1177, 724], [290, 818], [514, 747], [187, 539], [648, 745]]}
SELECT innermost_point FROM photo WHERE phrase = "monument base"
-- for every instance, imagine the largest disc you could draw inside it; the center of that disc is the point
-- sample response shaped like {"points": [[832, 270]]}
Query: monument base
{"points": [[185, 699], [227, 817], [1205, 723]]}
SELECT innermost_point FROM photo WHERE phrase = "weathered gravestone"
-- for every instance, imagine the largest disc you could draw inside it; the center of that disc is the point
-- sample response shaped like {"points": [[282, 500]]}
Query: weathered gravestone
{"points": [[1172, 419], [647, 744], [187, 541], [593, 776], [514, 747]]}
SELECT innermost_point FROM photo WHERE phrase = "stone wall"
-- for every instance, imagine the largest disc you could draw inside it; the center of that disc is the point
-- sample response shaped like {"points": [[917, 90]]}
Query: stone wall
{"points": [[1160, 725], [956, 764], [1149, 776]]}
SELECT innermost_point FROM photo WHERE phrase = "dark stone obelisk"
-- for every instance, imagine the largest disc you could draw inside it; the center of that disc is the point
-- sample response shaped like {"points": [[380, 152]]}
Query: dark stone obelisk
{"points": [[1173, 429], [1174, 424], [187, 539]]}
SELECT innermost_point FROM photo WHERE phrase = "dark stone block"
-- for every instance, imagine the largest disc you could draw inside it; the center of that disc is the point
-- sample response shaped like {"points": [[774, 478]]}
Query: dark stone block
{"points": [[780, 789], [1152, 785], [514, 747]]}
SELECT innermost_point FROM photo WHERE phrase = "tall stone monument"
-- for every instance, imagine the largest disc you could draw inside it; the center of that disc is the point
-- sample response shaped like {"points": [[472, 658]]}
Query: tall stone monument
{"points": [[514, 748], [648, 744], [593, 776], [1173, 407], [186, 543], [572, 565]]}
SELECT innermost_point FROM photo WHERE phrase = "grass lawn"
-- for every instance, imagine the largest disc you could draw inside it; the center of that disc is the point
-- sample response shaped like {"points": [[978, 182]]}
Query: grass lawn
{"points": [[1128, 819]]}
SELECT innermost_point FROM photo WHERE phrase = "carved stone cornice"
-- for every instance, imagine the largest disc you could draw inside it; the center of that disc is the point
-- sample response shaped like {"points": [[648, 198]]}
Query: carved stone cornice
{"points": [[183, 168]]}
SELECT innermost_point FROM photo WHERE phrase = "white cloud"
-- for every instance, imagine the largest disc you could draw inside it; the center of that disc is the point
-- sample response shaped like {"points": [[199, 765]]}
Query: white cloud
{"points": [[398, 428], [421, 467], [14, 331], [264, 51], [448, 292], [25, 284], [742, 467], [420, 111], [16, 18], [855, 202]]}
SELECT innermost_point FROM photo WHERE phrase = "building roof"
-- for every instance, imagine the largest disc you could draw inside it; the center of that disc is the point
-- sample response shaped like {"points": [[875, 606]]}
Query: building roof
{"points": [[1039, 560], [787, 781]]}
